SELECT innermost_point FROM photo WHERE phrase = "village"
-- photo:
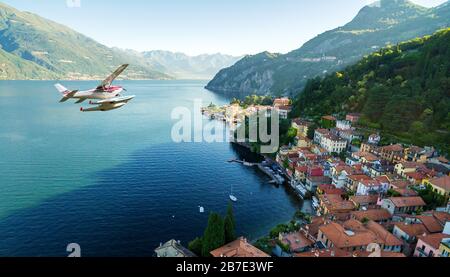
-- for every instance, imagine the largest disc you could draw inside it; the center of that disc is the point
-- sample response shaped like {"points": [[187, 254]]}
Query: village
{"points": [[369, 199]]}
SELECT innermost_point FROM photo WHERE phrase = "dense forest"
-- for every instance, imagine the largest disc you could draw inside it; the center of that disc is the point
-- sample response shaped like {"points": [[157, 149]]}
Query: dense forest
{"points": [[402, 90]]}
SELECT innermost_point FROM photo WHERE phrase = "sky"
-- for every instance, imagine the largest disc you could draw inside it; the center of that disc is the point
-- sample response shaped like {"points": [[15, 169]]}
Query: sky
{"points": [[235, 27]]}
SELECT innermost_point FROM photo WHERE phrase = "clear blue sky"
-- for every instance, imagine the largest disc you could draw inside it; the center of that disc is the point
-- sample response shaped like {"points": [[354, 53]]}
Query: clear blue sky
{"points": [[202, 26]]}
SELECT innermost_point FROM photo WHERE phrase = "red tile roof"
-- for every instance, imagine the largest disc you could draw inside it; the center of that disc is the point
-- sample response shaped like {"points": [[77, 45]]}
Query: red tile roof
{"points": [[442, 182], [372, 214], [239, 248], [412, 230], [407, 201], [433, 240]]}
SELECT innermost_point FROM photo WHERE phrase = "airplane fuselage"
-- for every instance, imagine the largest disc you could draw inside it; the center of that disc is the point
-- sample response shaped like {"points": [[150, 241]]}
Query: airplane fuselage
{"points": [[107, 93]]}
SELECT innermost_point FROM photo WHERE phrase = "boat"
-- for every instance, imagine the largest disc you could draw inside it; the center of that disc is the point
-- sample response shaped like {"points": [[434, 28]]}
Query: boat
{"points": [[232, 197]]}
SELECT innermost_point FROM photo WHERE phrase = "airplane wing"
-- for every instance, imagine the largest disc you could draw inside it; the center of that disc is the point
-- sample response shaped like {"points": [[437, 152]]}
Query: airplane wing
{"points": [[115, 100], [80, 101], [107, 82]]}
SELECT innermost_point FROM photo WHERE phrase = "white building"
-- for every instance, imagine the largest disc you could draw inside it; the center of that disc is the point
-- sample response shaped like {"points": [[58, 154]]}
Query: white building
{"points": [[343, 125]]}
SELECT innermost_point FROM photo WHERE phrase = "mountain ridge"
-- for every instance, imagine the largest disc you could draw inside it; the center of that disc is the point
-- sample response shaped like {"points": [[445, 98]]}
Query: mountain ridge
{"points": [[33, 47], [396, 21]]}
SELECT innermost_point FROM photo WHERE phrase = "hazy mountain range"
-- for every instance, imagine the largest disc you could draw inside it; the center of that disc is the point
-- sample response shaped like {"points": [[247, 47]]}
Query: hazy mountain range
{"points": [[375, 26], [32, 47]]}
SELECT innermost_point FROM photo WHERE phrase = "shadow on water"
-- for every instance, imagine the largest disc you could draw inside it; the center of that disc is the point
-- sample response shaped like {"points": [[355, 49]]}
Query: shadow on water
{"points": [[152, 197]]}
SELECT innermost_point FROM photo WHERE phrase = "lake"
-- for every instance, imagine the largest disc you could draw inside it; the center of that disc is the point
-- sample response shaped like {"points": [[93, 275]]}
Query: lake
{"points": [[115, 182]]}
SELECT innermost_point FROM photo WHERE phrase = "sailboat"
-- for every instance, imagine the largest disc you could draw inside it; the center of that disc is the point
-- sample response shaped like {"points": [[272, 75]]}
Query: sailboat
{"points": [[232, 197]]}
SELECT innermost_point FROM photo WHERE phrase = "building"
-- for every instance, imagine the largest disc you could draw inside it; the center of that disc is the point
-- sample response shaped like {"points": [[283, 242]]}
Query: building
{"points": [[344, 125], [351, 184], [374, 139], [428, 245], [312, 182], [418, 154], [296, 241], [392, 153], [339, 174], [173, 249], [409, 233], [439, 185], [444, 248], [330, 142], [372, 186], [377, 215], [365, 202], [365, 157], [281, 102], [353, 117], [402, 168], [400, 205], [352, 235], [239, 248], [302, 127], [283, 111], [334, 204]]}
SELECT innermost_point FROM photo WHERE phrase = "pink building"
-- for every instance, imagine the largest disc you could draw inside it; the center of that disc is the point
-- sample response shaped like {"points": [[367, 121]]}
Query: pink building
{"points": [[428, 245]]}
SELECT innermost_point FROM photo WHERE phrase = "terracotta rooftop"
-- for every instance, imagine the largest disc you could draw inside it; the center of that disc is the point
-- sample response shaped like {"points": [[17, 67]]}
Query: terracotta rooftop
{"points": [[335, 203], [442, 182], [407, 201], [238, 248], [384, 235], [413, 230], [433, 240], [393, 148], [358, 177], [329, 117], [296, 240], [401, 184], [351, 233], [368, 156], [431, 223], [364, 199], [372, 214], [302, 122], [406, 192]]}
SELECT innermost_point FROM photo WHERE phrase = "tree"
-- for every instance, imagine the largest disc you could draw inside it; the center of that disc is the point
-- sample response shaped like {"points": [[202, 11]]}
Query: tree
{"points": [[196, 246], [311, 131], [214, 236], [229, 225]]}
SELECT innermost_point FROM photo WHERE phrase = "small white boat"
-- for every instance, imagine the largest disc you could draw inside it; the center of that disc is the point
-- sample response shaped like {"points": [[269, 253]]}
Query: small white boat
{"points": [[232, 197]]}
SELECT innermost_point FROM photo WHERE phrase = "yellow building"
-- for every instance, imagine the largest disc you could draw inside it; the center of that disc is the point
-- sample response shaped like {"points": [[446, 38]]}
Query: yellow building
{"points": [[440, 185], [444, 248], [302, 127]]}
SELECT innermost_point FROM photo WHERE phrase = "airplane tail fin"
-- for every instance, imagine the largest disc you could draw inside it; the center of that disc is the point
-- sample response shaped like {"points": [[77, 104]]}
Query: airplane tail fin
{"points": [[64, 91]]}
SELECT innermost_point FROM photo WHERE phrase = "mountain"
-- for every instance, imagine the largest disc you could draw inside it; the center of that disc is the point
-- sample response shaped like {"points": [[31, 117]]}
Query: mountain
{"points": [[382, 23], [182, 66], [32, 47], [402, 90]]}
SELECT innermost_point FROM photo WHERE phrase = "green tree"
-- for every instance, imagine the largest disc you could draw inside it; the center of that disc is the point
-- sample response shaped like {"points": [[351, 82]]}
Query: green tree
{"points": [[229, 225], [214, 236], [196, 246]]}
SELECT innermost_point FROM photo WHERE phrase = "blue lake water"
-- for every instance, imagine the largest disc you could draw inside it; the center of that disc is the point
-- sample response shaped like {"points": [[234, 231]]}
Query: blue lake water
{"points": [[115, 182]]}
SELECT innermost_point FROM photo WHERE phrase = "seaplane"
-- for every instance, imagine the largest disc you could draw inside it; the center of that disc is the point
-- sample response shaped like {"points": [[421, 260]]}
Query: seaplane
{"points": [[108, 96]]}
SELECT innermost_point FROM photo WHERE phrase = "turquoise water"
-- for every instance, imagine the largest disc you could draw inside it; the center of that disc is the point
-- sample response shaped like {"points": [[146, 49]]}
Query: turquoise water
{"points": [[115, 182]]}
